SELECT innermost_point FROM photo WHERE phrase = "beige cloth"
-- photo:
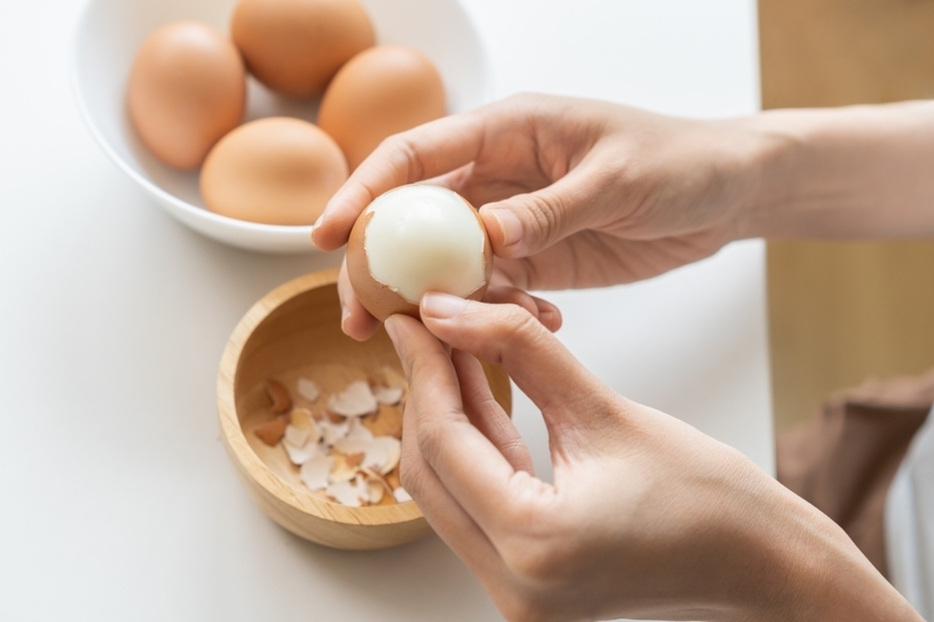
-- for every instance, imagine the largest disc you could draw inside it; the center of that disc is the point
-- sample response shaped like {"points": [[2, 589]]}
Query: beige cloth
{"points": [[844, 459]]}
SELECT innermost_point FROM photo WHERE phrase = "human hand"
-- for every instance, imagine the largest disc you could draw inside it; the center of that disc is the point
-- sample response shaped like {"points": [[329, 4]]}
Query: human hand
{"points": [[573, 193], [646, 517]]}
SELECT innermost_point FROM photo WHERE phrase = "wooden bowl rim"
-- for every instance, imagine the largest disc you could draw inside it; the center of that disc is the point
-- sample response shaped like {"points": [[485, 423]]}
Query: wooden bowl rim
{"points": [[236, 442]]}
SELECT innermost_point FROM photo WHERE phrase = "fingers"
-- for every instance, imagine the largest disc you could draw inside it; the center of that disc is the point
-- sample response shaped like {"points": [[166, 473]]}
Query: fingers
{"points": [[538, 363], [470, 467], [427, 151], [356, 321], [525, 224], [485, 413], [441, 510], [546, 313]]}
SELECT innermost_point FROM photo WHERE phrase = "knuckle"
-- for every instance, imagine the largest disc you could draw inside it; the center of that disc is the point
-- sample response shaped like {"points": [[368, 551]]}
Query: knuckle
{"points": [[546, 209], [431, 436], [407, 155], [518, 326]]}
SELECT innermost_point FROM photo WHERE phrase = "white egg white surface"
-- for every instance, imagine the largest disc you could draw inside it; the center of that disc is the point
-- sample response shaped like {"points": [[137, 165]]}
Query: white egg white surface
{"points": [[425, 238]]}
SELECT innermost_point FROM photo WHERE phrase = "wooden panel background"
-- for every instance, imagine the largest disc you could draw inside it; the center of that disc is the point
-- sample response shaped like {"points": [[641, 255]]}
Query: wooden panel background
{"points": [[844, 312]]}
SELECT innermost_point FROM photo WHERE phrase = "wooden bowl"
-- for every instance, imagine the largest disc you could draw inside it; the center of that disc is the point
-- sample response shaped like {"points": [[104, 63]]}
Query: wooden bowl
{"points": [[295, 331]]}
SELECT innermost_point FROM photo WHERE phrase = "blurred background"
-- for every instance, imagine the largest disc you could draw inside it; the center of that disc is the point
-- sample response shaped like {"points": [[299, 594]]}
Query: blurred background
{"points": [[841, 313]]}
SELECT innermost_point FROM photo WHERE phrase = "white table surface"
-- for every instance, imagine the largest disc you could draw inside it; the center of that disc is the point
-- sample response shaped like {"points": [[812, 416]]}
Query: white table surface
{"points": [[117, 501]]}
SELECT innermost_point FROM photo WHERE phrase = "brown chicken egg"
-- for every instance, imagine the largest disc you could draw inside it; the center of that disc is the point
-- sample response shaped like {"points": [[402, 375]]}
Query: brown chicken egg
{"points": [[277, 170], [187, 89], [415, 239], [296, 46], [379, 92]]}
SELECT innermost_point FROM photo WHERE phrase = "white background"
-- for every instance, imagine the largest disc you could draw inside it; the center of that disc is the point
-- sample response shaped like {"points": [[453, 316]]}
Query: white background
{"points": [[117, 501]]}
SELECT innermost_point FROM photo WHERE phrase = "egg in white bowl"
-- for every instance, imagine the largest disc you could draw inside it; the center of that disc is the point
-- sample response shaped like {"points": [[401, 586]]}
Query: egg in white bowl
{"points": [[109, 33]]}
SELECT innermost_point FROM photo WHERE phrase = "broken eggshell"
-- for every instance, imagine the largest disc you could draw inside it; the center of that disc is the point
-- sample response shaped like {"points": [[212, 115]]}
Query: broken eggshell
{"points": [[293, 328], [356, 400], [415, 239]]}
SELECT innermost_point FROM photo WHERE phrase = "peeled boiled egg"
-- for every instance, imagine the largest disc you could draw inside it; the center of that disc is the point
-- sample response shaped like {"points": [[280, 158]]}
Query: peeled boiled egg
{"points": [[187, 89], [379, 92], [415, 239], [277, 170], [296, 46]]}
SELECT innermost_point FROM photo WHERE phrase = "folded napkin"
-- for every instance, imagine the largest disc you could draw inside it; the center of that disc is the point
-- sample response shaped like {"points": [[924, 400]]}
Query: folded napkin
{"points": [[843, 460]]}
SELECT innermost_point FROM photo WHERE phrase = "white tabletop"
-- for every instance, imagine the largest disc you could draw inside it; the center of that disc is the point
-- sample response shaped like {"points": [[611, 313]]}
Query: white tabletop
{"points": [[118, 501]]}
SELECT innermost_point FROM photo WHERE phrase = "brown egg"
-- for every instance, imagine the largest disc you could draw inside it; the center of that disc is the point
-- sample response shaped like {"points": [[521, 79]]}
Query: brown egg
{"points": [[379, 92], [187, 88], [278, 170], [296, 46], [415, 239]]}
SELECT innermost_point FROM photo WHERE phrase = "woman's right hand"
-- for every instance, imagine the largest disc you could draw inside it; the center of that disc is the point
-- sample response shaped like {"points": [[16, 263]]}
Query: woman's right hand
{"points": [[574, 193]]}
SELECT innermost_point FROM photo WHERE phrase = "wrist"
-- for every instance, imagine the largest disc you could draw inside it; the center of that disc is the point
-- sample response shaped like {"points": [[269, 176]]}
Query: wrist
{"points": [[815, 572], [757, 166], [772, 170]]}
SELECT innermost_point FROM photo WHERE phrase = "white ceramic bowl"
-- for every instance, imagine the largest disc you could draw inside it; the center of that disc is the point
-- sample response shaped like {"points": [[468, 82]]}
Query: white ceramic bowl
{"points": [[110, 31]]}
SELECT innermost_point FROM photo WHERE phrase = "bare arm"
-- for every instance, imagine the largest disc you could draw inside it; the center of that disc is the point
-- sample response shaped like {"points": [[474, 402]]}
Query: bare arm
{"points": [[855, 172]]}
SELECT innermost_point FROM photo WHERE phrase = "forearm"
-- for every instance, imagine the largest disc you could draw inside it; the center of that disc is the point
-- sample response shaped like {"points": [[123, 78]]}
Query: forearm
{"points": [[855, 172]]}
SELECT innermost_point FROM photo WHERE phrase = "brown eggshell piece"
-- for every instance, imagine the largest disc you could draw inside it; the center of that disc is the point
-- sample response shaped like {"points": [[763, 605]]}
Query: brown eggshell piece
{"points": [[277, 170], [187, 88], [380, 92], [296, 46], [379, 298], [376, 297]]}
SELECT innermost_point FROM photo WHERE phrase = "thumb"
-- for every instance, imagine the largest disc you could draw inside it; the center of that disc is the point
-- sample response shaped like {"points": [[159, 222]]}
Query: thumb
{"points": [[572, 399], [525, 224]]}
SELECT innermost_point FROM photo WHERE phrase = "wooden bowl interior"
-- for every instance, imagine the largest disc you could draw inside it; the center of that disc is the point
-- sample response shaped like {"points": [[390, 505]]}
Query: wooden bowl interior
{"points": [[302, 338], [294, 331]]}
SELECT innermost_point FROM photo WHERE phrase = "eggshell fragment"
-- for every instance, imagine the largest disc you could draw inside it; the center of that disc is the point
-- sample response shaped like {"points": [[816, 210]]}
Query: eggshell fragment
{"points": [[379, 92], [358, 431], [308, 389], [332, 432], [390, 396], [415, 239], [271, 432], [314, 472], [393, 452], [302, 418], [296, 46], [375, 491], [354, 401], [401, 495], [350, 492], [277, 170], [300, 454], [342, 471], [187, 89], [278, 395]]}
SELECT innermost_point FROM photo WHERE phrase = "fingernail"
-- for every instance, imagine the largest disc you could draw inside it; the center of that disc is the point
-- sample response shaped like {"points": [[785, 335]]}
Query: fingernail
{"points": [[549, 317], [314, 227], [391, 329], [442, 306], [509, 225], [345, 313]]}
